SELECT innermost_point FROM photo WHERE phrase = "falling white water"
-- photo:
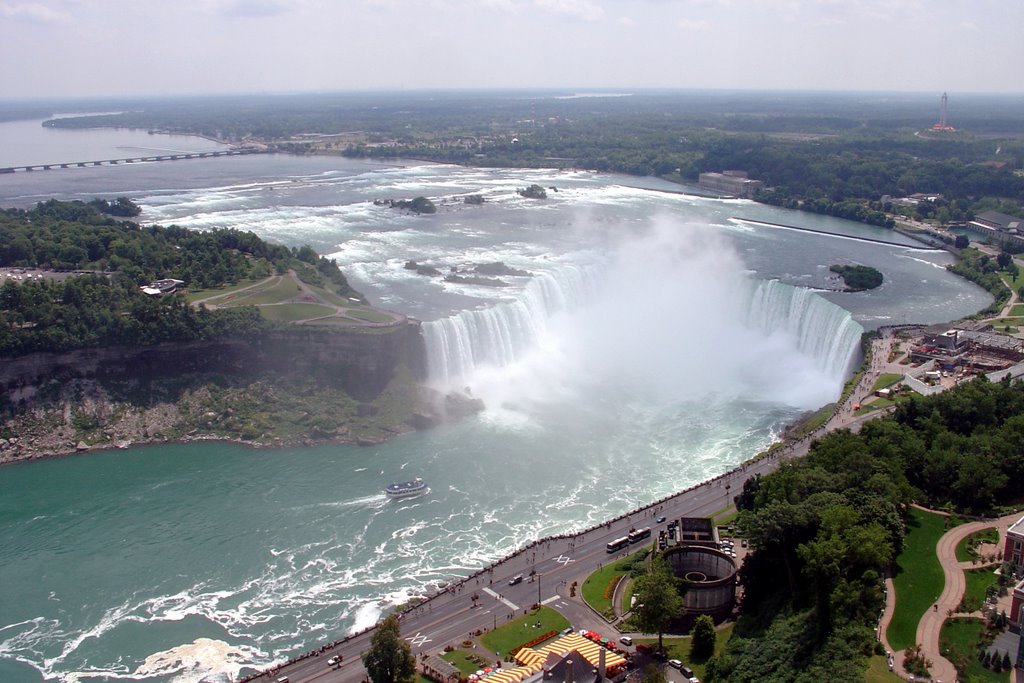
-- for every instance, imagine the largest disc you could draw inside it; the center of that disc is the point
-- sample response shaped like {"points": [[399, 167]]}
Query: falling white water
{"points": [[672, 314]]}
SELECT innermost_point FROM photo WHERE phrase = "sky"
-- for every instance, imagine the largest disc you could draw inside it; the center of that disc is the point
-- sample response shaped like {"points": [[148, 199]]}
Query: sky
{"points": [[75, 48]]}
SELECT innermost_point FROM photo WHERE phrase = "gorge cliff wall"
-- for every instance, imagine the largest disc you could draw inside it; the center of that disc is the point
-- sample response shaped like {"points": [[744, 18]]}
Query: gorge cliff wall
{"points": [[360, 361]]}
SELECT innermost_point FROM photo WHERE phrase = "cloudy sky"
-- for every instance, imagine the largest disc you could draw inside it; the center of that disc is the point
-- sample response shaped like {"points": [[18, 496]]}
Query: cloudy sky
{"points": [[54, 48]]}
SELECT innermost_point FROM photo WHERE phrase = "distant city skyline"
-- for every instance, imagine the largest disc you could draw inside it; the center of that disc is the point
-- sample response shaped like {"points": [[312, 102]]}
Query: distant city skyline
{"points": [[70, 48]]}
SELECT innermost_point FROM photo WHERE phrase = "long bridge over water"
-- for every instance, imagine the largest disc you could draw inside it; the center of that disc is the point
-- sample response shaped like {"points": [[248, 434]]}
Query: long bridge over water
{"points": [[133, 160]]}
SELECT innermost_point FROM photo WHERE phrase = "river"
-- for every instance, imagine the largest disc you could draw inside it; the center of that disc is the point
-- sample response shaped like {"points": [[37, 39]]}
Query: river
{"points": [[659, 340]]}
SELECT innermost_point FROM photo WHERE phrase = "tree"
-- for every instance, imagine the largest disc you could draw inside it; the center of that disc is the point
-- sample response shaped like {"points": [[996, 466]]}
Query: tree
{"points": [[962, 242], [653, 674], [1004, 259], [702, 645], [659, 602], [389, 659]]}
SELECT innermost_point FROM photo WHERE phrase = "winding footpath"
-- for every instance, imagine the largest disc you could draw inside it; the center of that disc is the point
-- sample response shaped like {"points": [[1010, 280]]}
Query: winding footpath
{"points": [[930, 626]]}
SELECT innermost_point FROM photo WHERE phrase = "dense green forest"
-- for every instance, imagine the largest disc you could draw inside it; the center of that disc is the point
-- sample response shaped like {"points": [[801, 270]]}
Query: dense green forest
{"points": [[104, 305], [825, 527]]}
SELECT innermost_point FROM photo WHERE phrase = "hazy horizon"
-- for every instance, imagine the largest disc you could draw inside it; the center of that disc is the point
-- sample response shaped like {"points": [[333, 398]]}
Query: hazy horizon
{"points": [[65, 49]]}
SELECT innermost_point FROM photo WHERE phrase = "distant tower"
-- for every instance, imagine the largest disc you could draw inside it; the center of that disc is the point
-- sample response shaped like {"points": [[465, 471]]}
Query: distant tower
{"points": [[943, 124]]}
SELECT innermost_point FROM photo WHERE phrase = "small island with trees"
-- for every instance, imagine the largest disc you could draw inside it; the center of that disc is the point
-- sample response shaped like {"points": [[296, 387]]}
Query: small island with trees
{"points": [[858, 278]]}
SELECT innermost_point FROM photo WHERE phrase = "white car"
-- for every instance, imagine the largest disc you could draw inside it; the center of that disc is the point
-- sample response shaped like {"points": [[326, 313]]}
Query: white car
{"points": [[675, 664]]}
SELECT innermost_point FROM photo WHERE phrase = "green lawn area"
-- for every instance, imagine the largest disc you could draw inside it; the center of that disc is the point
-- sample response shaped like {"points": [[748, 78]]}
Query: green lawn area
{"points": [[918, 576], [468, 661], [978, 581], [959, 642], [878, 671], [679, 648], [728, 514], [886, 379], [368, 314], [965, 551], [594, 587], [1013, 283], [269, 293], [877, 404], [627, 596], [814, 421], [292, 312], [329, 296], [195, 295], [519, 631], [1017, 310]]}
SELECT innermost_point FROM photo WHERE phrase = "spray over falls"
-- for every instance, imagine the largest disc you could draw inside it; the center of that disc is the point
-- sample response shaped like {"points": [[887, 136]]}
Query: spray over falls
{"points": [[670, 315]]}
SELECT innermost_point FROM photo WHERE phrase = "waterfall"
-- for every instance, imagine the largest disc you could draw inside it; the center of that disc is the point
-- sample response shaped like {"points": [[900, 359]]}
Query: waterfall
{"points": [[823, 331], [499, 336]]}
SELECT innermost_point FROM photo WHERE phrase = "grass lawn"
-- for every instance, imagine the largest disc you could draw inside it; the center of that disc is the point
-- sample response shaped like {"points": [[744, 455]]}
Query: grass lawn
{"points": [[292, 312], [959, 642], [514, 633], [594, 587], [679, 648], [196, 295], [269, 293], [965, 550], [1013, 283], [1017, 310], [627, 595], [878, 671], [467, 661], [978, 581], [814, 421], [728, 514], [917, 576], [367, 314], [886, 379], [877, 404]]}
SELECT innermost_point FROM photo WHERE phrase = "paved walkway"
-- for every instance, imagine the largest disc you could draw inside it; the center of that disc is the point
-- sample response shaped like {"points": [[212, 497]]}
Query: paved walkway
{"points": [[930, 626]]}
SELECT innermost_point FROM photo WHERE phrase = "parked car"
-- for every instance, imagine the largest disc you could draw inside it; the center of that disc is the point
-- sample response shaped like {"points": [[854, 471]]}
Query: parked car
{"points": [[645, 648], [626, 640], [567, 631], [675, 664], [687, 671]]}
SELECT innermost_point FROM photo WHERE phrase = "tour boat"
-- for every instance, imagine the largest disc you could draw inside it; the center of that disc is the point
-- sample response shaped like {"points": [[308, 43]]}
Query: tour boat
{"points": [[406, 489]]}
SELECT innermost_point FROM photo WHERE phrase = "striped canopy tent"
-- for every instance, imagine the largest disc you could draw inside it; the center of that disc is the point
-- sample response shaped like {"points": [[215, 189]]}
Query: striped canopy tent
{"points": [[529, 657], [516, 674], [590, 651]]}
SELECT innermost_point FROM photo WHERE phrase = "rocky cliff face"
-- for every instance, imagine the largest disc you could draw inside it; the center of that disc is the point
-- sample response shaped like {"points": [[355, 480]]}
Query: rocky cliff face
{"points": [[359, 362], [300, 385]]}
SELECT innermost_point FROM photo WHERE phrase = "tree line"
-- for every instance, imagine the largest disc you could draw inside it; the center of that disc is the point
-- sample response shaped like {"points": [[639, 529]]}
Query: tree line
{"points": [[827, 526], [105, 306]]}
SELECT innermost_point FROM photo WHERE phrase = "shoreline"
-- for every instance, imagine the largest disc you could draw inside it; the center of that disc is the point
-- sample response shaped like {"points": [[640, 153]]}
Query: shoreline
{"points": [[211, 438]]}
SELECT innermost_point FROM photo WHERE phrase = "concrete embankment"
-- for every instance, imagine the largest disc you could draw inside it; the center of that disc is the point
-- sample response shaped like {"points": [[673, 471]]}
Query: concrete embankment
{"points": [[833, 234]]}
